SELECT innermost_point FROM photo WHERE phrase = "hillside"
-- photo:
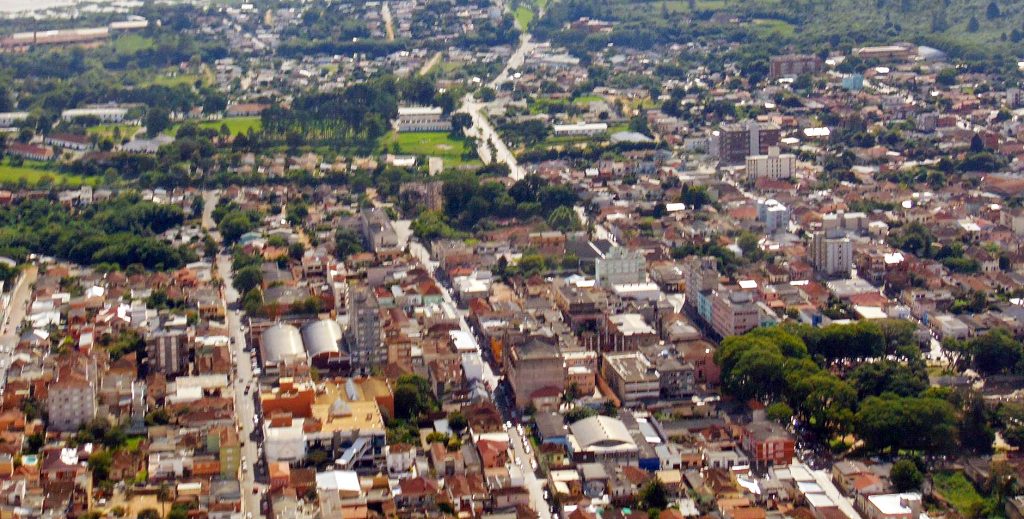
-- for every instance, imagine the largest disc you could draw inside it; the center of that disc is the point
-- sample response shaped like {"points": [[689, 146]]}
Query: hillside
{"points": [[997, 30]]}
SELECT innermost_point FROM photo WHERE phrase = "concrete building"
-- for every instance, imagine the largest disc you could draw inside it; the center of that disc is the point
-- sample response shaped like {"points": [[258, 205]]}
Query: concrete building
{"points": [[631, 376], [580, 129], [773, 215], [378, 232], [365, 347], [737, 141], [422, 119], [831, 253], [772, 165], [734, 312], [103, 114], [167, 352], [792, 65], [282, 352], [11, 118], [71, 398], [533, 368], [627, 332], [621, 266], [602, 438]]}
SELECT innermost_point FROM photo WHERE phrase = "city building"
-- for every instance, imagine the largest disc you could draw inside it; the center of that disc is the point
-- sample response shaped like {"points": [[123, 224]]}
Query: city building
{"points": [[71, 397], [282, 352], [627, 332], [737, 141], [580, 129], [792, 65], [631, 376], [734, 312], [831, 253], [534, 367], [102, 114], [773, 215], [167, 352], [422, 119], [772, 165], [366, 348], [767, 443], [621, 266], [602, 439]]}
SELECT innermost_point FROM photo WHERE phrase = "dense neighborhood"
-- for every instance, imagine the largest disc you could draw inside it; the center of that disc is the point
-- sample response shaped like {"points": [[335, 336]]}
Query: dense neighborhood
{"points": [[574, 259]]}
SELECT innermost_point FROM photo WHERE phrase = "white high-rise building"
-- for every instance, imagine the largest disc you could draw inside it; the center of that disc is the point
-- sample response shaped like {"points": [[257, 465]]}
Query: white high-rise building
{"points": [[772, 214], [832, 253], [621, 266], [774, 165]]}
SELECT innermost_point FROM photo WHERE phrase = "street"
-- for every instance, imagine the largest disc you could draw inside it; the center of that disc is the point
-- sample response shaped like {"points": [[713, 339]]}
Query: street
{"points": [[17, 306], [534, 485], [482, 129], [245, 407]]}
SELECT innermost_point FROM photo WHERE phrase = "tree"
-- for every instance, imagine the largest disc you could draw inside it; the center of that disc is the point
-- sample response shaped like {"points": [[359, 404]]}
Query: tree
{"points": [[564, 218], [905, 476], [157, 120], [977, 145], [149, 513], [247, 278], [992, 12], [946, 77], [919, 424], [460, 123], [779, 412], [346, 243], [457, 422], [973, 25], [653, 495], [164, 494], [995, 352], [975, 433]]}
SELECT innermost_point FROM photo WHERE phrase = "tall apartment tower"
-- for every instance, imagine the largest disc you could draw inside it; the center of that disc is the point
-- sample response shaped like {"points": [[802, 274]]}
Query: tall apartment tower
{"points": [[364, 332], [832, 253]]}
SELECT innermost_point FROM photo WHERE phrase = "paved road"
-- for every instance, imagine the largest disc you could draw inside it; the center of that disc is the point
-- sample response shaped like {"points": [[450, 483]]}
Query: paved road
{"points": [[17, 307], [245, 407], [534, 485], [389, 24], [482, 129]]}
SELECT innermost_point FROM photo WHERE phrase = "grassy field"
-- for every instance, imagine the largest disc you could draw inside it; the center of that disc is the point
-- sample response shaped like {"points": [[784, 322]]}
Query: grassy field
{"points": [[235, 124], [523, 17], [431, 144], [32, 172], [107, 130], [960, 493], [131, 43], [585, 100]]}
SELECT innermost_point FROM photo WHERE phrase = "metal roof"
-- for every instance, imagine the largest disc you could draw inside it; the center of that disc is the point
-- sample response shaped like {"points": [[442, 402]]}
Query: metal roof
{"points": [[322, 337], [281, 342], [601, 432]]}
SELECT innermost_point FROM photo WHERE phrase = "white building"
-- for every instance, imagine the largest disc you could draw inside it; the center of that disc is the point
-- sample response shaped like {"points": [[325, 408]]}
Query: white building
{"points": [[621, 266], [772, 214], [580, 129], [832, 253], [774, 165], [12, 118], [106, 115], [422, 119]]}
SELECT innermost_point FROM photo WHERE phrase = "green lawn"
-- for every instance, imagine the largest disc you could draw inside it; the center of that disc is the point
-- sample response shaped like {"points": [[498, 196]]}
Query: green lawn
{"points": [[32, 172], [431, 144], [235, 124], [959, 491], [779, 27], [524, 15], [585, 100], [131, 43], [107, 130]]}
